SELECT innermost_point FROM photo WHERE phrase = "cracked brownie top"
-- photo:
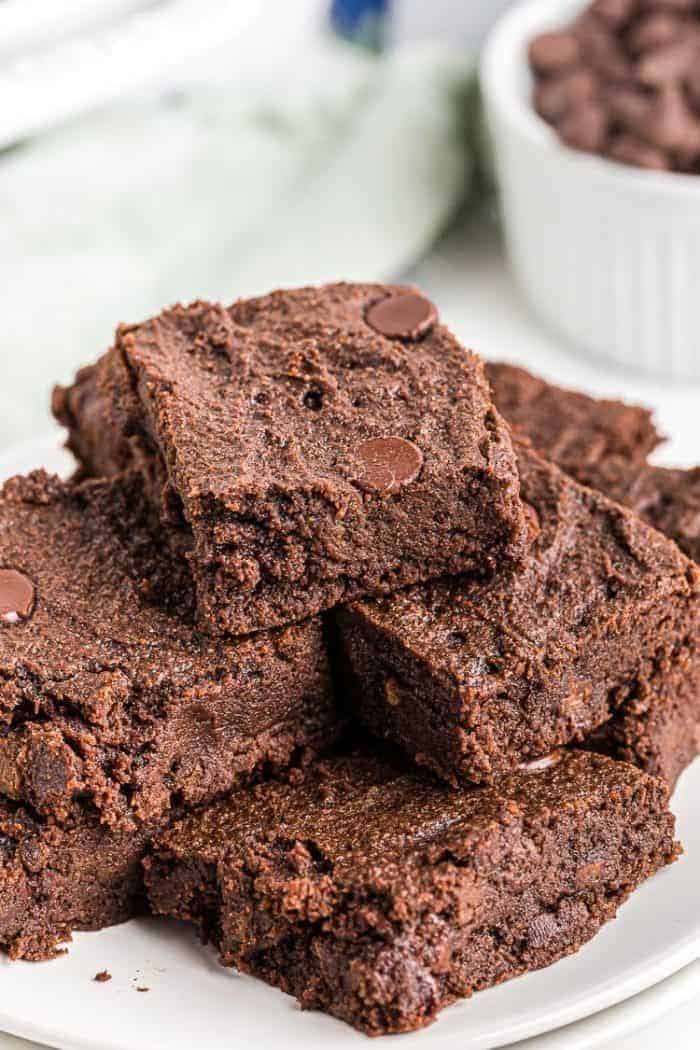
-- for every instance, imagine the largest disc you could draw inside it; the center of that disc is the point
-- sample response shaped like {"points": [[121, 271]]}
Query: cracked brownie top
{"points": [[319, 443]]}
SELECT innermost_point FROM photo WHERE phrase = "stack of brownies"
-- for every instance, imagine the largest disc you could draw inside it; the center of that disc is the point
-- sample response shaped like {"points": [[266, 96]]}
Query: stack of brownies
{"points": [[325, 659]]}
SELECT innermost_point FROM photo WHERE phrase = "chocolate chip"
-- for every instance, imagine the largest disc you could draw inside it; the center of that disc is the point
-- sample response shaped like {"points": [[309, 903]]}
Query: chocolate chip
{"points": [[16, 596], [555, 96], [594, 36], [408, 315], [586, 127], [614, 66], [388, 464], [668, 64], [692, 84], [655, 30], [627, 149], [671, 123], [601, 49], [683, 7], [616, 12], [552, 53], [102, 977], [628, 106]]}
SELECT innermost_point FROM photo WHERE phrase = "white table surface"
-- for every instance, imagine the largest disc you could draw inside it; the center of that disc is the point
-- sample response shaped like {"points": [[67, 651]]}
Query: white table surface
{"points": [[468, 279]]}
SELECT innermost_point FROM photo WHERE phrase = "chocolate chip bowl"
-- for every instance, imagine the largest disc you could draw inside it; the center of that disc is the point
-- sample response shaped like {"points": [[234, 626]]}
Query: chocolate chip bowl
{"points": [[596, 139]]}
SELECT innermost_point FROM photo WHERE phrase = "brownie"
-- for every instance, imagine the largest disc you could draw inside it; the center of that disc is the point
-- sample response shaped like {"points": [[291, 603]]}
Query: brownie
{"points": [[658, 726], [666, 497], [81, 876], [107, 690], [603, 444], [381, 896], [572, 429], [316, 445], [472, 677]]}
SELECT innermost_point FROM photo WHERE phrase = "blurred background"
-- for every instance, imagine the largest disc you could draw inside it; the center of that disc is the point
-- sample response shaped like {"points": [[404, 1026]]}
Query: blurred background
{"points": [[162, 150]]}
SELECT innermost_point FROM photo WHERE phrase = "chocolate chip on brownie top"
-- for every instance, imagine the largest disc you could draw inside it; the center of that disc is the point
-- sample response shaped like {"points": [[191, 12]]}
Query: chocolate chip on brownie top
{"points": [[318, 443]]}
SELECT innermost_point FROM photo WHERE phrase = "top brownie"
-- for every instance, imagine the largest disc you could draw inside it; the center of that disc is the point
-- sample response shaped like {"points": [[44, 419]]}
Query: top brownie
{"points": [[317, 445]]}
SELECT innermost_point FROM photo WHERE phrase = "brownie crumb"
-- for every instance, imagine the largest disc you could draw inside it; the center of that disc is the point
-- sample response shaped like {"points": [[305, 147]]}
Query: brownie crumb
{"points": [[102, 977]]}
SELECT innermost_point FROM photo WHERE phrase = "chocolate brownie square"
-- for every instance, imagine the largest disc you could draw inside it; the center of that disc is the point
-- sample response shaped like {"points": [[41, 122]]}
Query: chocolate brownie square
{"points": [[572, 429], [667, 498], [381, 896], [316, 445], [80, 876], [472, 677], [603, 444], [658, 726], [107, 690]]}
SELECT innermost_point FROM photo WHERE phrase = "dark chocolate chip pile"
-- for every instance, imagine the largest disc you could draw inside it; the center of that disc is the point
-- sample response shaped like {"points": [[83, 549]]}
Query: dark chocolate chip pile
{"points": [[623, 81]]}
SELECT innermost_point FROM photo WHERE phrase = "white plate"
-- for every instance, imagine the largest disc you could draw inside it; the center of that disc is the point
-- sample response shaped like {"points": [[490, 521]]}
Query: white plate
{"points": [[194, 1003], [668, 1013]]}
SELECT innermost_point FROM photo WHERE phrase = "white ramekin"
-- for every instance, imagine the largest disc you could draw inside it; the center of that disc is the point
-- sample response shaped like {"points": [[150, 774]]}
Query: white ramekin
{"points": [[608, 255]]}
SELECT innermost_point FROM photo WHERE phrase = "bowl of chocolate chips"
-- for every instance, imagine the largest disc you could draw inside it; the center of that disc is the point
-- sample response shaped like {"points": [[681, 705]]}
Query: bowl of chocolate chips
{"points": [[594, 114]]}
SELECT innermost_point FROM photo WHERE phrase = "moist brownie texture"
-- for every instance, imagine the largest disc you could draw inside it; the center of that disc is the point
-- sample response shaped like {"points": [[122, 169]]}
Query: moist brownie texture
{"points": [[603, 444], [658, 726], [472, 677], [81, 876], [668, 498], [572, 429], [316, 445], [381, 896], [107, 690]]}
